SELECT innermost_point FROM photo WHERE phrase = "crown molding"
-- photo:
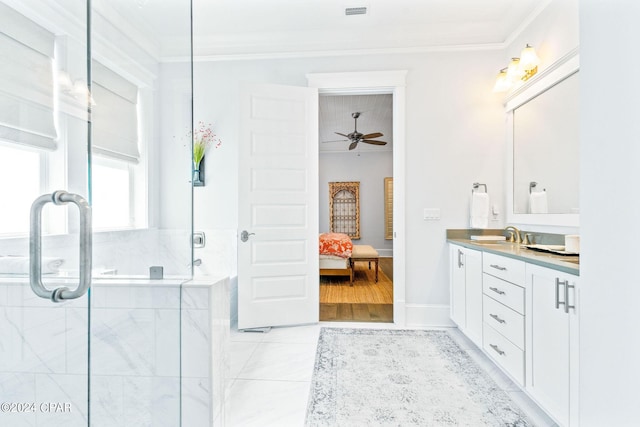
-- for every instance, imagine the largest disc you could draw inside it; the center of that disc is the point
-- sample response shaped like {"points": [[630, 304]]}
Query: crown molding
{"points": [[335, 53]]}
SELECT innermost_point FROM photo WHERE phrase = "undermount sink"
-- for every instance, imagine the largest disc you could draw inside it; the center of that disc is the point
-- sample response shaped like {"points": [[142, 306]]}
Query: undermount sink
{"points": [[489, 240]]}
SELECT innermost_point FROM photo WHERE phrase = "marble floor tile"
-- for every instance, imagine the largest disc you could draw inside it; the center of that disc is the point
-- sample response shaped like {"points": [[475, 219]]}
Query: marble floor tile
{"points": [[240, 352], [237, 335], [271, 372], [267, 403], [295, 334], [280, 361]]}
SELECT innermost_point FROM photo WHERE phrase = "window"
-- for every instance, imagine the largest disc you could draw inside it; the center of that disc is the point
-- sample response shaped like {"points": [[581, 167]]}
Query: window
{"points": [[20, 174], [344, 208], [118, 175], [27, 127], [111, 184], [26, 81], [388, 208]]}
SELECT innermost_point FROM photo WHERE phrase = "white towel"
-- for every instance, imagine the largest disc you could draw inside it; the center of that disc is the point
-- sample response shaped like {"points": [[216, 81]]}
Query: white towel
{"points": [[12, 264], [479, 210], [538, 202]]}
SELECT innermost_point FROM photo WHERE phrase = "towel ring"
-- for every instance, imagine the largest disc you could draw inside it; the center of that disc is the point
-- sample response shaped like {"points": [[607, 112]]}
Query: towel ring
{"points": [[533, 185], [476, 185]]}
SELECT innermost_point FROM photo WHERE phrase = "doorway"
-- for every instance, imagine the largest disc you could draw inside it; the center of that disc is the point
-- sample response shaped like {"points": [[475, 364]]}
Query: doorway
{"points": [[356, 149], [376, 82]]}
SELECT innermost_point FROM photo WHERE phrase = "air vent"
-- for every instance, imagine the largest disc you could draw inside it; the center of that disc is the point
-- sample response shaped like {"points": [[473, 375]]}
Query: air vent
{"points": [[355, 11]]}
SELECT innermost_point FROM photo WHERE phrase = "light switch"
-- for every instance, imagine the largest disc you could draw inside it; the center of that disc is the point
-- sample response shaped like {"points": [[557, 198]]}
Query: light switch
{"points": [[431, 214]]}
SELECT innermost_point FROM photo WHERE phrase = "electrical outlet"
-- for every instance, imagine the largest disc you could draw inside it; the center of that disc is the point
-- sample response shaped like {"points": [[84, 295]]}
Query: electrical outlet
{"points": [[431, 214]]}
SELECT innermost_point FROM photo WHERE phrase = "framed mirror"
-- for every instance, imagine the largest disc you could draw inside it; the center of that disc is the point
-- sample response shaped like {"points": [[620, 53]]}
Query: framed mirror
{"points": [[543, 140]]}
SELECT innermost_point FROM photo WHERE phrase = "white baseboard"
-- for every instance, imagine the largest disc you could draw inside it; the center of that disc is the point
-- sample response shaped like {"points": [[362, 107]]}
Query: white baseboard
{"points": [[428, 315], [385, 253]]}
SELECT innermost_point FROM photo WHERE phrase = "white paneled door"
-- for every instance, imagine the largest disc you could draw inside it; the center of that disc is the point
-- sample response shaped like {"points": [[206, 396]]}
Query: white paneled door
{"points": [[278, 281]]}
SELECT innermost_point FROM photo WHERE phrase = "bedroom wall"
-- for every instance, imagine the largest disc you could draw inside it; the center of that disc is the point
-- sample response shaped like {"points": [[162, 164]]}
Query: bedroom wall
{"points": [[370, 169]]}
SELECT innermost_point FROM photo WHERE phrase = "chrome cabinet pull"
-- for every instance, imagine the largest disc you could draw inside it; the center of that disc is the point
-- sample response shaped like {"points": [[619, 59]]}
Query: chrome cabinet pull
{"points": [[497, 318], [35, 246], [496, 349], [558, 302], [497, 267], [567, 306], [497, 291], [460, 263]]}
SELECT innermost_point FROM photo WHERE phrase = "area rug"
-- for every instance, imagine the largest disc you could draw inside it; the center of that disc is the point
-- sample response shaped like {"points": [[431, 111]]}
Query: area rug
{"points": [[367, 377]]}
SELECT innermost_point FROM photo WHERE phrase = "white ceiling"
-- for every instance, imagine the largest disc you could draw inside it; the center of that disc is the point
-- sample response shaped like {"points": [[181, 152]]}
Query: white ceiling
{"points": [[259, 28], [240, 29], [335, 116]]}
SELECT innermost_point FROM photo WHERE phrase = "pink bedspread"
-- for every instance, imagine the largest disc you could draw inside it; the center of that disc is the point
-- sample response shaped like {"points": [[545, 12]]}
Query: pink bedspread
{"points": [[336, 244]]}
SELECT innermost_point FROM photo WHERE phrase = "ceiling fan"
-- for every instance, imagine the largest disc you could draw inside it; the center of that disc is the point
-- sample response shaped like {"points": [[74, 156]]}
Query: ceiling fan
{"points": [[356, 137]]}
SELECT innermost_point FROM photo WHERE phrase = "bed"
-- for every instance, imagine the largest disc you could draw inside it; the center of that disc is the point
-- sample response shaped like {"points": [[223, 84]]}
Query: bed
{"points": [[335, 255]]}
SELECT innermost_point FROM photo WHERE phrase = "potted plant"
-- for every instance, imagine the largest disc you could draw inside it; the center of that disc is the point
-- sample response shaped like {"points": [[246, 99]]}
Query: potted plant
{"points": [[203, 138]]}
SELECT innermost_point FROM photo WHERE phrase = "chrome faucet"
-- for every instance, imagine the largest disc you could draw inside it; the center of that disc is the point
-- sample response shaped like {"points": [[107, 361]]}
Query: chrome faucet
{"points": [[514, 234]]}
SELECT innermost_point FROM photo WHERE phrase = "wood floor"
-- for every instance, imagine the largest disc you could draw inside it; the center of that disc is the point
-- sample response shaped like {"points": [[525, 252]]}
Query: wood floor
{"points": [[365, 301]]}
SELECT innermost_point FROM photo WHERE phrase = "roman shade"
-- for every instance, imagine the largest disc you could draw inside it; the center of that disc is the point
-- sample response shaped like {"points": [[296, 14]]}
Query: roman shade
{"points": [[114, 115], [26, 81]]}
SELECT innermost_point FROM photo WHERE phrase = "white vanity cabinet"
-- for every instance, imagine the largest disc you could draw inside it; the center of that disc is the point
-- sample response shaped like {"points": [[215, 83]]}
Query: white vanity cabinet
{"points": [[552, 342], [466, 291], [524, 316], [503, 307]]}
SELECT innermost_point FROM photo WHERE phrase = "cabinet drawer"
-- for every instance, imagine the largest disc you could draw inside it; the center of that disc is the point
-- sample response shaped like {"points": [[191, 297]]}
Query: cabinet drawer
{"points": [[504, 320], [507, 293], [504, 352], [509, 269]]}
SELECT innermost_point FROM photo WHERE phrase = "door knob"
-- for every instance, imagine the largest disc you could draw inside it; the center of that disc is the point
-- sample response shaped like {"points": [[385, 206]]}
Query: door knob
{"points": [[244, 236]]}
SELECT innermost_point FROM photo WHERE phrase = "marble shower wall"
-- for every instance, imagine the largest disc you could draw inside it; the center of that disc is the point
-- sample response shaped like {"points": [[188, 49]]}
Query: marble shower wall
{"points": [[136, 345]]}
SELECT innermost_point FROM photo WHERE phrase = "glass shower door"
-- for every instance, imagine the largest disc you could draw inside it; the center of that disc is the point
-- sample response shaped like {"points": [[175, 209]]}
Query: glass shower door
{"points": [[45, 218], [95, 178]]}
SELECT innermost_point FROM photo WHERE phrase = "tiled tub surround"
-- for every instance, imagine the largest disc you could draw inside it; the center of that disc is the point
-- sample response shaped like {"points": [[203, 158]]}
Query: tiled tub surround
{"points": [[137, 351], [462, 237]]}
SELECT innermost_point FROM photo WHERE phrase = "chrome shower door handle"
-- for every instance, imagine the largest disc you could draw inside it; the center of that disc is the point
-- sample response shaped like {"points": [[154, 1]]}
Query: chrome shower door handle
{"points": [[35, 247]]}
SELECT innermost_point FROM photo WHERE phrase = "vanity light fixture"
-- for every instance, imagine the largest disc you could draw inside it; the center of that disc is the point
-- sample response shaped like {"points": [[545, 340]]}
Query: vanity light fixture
{"points": [[519, 70]]}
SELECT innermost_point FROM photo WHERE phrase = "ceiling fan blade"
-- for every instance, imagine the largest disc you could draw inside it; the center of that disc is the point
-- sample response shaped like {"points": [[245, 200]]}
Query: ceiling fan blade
{"points": [[353, 145], [369, 141], [336, 140], [342, 134], [372, 135]]}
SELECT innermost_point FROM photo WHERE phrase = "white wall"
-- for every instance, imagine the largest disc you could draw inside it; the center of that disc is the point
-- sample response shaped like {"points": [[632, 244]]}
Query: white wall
{"points": [[454, 137], [553, 33], [610, 209], [370, 169]]}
